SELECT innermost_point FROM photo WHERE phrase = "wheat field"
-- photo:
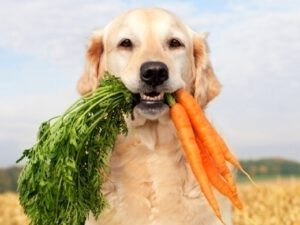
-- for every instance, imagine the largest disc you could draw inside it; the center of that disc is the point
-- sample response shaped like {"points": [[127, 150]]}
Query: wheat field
{"points": [[11, 212], [270, 203]]}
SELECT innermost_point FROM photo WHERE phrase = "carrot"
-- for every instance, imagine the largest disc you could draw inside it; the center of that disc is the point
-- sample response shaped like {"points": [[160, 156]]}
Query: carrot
{"points": [[215, 178], [190, 147], [206, 133]]}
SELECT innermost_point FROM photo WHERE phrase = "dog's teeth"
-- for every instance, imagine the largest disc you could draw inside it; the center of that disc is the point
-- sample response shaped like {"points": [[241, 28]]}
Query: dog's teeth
{"points": [[154, 98], [160, 96], [143, 96]]}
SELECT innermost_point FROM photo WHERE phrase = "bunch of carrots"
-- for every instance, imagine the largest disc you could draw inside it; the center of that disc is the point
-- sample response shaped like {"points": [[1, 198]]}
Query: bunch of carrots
{"points": [[204, 149]]}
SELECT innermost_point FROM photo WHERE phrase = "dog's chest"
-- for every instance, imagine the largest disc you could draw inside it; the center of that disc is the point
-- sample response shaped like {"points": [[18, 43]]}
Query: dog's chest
{"points": [[151, 184]]}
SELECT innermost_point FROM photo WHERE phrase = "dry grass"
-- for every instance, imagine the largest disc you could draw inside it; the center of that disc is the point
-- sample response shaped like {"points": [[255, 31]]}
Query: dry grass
{"points": [[271, 203], [11, 212]]}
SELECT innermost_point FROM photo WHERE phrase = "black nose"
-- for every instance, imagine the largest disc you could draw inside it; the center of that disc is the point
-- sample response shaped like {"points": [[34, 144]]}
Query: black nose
{"points": [[154, 73]]}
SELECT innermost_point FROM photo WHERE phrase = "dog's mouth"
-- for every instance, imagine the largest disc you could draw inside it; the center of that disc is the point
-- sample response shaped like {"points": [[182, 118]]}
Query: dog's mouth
{"points": [[152, 98], [152, 104]]}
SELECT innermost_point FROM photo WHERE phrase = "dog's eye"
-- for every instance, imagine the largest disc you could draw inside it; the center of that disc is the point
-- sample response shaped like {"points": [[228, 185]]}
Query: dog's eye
{"points": [[125, 43], [175, 43]]}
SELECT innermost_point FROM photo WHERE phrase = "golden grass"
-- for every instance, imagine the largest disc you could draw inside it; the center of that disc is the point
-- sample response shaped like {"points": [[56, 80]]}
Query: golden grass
{"points": [[271, 203], [11, 213]]}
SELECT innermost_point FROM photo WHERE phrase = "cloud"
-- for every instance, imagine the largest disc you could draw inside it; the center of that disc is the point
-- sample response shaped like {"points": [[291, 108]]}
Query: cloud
{"points": [[262, 46], [20, 117], [57, 30], [256, 5], [54, 30]]}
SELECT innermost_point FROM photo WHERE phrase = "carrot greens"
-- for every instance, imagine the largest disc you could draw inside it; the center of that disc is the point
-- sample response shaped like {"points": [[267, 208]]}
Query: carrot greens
{"points": [[61, 181]]}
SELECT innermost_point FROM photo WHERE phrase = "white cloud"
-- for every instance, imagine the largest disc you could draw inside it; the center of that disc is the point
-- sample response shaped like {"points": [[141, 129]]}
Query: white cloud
{"points": [[264, 4], [57, 30], [262, 43], [28, 111], [54, 30], [20, 117]]}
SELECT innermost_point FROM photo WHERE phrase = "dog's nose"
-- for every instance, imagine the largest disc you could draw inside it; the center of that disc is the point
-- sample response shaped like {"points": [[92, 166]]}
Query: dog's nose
{"points": [[154, 73]]}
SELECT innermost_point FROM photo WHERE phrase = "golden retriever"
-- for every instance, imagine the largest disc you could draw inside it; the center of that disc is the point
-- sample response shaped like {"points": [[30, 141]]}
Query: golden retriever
{"points": [[150, 182]]}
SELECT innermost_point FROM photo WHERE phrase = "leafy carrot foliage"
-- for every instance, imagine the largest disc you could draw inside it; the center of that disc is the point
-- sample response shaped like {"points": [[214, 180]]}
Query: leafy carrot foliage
{"points": [[65, 169]]}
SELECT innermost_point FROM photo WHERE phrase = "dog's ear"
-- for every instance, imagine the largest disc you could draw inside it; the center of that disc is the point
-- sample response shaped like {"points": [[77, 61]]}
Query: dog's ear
{"points": [[93, 67], [205, 84]]}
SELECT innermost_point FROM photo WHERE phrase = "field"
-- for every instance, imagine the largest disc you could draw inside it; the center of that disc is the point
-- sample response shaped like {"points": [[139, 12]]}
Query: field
{"points": [[11, 212], [270, 203]]}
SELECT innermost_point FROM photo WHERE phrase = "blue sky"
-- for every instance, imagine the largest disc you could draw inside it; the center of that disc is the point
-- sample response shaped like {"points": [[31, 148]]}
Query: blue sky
{"points": [[255, 51]]}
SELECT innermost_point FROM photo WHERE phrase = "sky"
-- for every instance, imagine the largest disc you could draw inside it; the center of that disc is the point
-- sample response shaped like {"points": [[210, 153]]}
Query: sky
{"points": [[255, 52]]}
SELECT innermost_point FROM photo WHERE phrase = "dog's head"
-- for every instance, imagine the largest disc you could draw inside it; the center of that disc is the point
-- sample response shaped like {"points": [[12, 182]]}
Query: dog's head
{"points": [[152, 52]]}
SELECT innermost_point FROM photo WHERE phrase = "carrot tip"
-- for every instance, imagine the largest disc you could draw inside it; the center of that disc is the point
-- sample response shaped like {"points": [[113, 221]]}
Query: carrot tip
{"points": [[222, 221], [248, 176], [239, 205]]}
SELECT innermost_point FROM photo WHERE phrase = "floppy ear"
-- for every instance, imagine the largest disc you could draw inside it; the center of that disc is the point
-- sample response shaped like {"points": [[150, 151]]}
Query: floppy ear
{"points": [[93, 68], [205, 84]]}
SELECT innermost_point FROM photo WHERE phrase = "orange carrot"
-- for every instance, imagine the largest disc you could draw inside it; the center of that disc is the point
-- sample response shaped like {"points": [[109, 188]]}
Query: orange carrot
{"points": [[206, 133], [190, 147], [215, 178]]}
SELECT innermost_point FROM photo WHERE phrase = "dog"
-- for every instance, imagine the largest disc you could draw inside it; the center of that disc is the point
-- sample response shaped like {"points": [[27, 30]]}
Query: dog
{"points": [[150, 182]]}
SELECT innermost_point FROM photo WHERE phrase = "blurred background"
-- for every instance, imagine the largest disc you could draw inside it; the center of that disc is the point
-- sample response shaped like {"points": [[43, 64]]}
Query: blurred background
{"points": [[255, 51]]}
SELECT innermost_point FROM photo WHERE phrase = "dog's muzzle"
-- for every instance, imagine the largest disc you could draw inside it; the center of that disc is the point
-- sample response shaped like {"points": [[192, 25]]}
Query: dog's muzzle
{"points": [[153, 76]]}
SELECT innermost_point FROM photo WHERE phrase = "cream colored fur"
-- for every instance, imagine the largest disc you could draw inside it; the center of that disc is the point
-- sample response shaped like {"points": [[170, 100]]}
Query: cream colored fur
{"points": [[150, 182]]}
